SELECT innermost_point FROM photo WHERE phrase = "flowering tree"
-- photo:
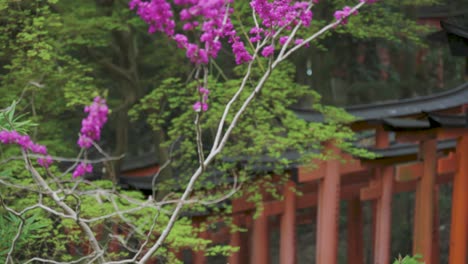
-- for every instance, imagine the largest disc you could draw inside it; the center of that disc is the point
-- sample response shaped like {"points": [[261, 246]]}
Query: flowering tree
{"points": [[201, 28]]}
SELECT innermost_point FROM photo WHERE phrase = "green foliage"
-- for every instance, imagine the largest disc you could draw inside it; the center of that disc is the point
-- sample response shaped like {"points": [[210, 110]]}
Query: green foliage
{"points": [[416, 259], [8, 120], [33, 228]]}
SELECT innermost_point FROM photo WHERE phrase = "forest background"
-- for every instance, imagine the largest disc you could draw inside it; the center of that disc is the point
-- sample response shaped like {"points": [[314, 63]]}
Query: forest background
{"points": [[56, 55]]}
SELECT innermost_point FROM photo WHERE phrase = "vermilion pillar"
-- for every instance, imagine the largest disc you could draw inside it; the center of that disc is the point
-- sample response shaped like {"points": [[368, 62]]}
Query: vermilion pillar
{"points": [[259, 252], [458, 228], [288, 226], [435, 228], [327, 214], [199, 256], [235, 241], [384, 216], [355, 232], [384, 178], [424, 211]]}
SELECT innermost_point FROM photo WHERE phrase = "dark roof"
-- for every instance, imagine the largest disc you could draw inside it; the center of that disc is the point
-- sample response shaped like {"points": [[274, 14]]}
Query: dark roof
{"points": [[428, 121], [435, 102], [406, 149], [441, 11], [139, 162], [456, 29]]}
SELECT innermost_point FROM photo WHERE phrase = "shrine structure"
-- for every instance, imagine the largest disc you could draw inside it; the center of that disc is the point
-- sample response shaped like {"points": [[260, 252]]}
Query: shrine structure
{"points": [[420, 144]]}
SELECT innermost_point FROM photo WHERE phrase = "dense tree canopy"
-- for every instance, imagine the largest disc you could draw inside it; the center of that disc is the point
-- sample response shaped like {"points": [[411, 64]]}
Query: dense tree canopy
{"points": [[56, 55]]}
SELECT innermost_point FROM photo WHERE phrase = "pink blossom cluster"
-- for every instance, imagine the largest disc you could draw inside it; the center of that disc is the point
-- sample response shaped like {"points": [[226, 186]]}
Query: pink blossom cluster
{"points": [[81, 169], [202, 105], [210, 17], [91, 126], [91, 130], [346, 12], [13, 137], [282, 13], [278, 14]]}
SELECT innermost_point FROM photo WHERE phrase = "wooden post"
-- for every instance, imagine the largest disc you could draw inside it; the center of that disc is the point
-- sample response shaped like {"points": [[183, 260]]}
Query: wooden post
{"points": [[327, 215], [384, 178], [435, 228], [424, 217], [199, 256], [355, 232], [458, 228], [288, 226], [384, 216], [235, 241], [259, 253]]}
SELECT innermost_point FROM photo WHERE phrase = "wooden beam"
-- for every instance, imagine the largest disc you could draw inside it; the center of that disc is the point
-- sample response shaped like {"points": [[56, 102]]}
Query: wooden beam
{"points": [[414, 171], [415, 136], [409, 172], [371, 192], [349, 166]]}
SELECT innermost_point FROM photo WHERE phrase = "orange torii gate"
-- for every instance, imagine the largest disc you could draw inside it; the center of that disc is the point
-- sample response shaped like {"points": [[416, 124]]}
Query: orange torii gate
{"points": [[422, 175], [427, 150]]}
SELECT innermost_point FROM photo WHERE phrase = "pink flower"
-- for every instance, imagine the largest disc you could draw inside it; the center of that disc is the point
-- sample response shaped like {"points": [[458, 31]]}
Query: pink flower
{"points": [[203, 90], [344, 14], [268, 51], [82, 169], [25, 142], [91, 126], [199, 106]]}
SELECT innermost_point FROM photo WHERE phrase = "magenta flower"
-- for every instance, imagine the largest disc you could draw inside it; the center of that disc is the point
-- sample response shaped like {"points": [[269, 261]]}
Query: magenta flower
{"points": [[90, 131], [82, 169], [268, 51], [91, 126], [25, 142], [199, 106]]}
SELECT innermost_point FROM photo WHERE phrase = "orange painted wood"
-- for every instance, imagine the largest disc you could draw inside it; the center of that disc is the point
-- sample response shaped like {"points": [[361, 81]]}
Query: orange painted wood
{"points": [[274, 207], [424, 217], [306, 174], [142, 172], [415, 136], [235, 241], [199, 256], [414, 171], [355, 232], [448, 165], [374, 224], [288, 226], [409, 172], [371, 193], [384, 217], [241, 205], [259, 253], [451, 133], [458, 228], [436, 228], [350, 166], [327, 217]]}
